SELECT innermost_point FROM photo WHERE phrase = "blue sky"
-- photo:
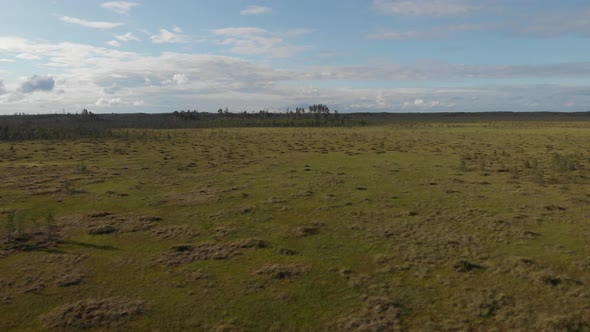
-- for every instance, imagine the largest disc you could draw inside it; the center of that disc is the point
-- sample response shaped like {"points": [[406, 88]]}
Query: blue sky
{"points": [[371, 55]]}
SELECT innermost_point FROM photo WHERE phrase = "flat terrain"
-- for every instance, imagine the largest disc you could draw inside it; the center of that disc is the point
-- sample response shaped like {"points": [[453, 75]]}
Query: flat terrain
{"points": [[399, 227]]}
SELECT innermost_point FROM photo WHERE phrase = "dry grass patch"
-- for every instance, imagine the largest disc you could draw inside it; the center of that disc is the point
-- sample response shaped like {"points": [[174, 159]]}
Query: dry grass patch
{"points": [[193, 198], [377, 314], [101, 223], [88, 314], [276, 271], [186, 253], [175, 232]]}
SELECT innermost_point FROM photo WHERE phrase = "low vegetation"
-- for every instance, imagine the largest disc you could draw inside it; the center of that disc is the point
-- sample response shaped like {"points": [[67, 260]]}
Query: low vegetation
{"points": [[409, 225]]}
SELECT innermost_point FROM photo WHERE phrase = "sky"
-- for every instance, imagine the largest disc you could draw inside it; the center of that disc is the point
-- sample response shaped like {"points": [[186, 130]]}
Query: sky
{"points": [[353, 55]]}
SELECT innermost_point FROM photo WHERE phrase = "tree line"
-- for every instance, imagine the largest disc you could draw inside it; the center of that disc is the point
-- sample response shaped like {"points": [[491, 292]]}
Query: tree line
{"points": [[86, 124]]}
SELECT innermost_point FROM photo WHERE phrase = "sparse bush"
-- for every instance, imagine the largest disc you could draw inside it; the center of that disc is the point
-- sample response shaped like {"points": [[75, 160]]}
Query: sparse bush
{"points": [[482, 165], [9, 225], [538, 177], [90, 314], [82, 168], [565, 163], [67, 183], [463, 163], [51, 225], [20, 223], [527, 164]]}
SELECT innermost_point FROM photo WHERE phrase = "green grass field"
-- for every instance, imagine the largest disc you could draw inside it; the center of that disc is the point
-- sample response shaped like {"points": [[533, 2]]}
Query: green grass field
{"points": [[413, 227]]}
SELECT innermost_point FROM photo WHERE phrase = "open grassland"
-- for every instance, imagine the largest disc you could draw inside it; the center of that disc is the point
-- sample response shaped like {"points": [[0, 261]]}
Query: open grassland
{"points": [[413, 227]]}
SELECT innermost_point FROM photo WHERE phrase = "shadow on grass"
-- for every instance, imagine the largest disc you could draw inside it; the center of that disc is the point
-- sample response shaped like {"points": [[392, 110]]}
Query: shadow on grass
{"points": [[90, 245]]}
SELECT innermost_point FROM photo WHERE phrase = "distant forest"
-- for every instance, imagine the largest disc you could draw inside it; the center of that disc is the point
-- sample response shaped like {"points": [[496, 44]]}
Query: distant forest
{"points": [[88, 124]]}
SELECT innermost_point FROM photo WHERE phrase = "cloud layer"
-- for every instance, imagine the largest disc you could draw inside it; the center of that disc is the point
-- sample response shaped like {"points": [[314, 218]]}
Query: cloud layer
{"points": [[90, 24], [110, 79], [170, 37], [387, 55], [255, 10], [425, 7], [256, 41], [119, 7]]}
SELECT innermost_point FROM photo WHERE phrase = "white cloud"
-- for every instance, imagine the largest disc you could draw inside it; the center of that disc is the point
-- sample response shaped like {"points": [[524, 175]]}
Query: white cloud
{"points": [[298, 32], [178, 79], [89, 24], [3, 90], [425, 7], [113, 43], [255, 41], [28, 56], [67, 55], [421, 103], [127, 37], [167, 37], [239, 32], [119, 7], [127, 80], [177, 29], [7, 60], [110, 102], [255, 10]]}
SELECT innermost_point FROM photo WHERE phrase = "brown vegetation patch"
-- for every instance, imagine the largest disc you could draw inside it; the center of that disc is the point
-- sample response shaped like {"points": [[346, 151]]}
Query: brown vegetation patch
{"points": [[227, 213], [30, 242], [227, 326], [565, 323], [305, 231], [377, 314], [68, 279], [465, 266], [89, 314], [286, 252], [59, 270], [276, 271], [303, 194], [175, 232], [250, 243], [193, 198], [102, 229], [197, 275], [186, 253], [276, 200], [100, 223], [530, 235], [26, 280]]}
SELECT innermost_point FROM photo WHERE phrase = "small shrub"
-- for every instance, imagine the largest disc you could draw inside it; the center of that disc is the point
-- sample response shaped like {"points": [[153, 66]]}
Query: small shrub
{"points": [[51, 225], [565, 163], [9, 225], [82, 168]]}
